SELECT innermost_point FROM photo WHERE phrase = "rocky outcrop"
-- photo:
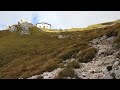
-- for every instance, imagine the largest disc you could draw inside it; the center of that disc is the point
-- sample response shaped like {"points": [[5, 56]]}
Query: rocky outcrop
{"points": [[51, 75], [12, 28], [105, 64], [48, 75], [62, 36], [25, 28], [22, 25]]}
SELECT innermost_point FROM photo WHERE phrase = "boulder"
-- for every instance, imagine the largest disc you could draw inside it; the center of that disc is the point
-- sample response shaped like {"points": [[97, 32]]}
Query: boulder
{"points": [[62, 36], [115, 64], [12, 28], [107, 75]]}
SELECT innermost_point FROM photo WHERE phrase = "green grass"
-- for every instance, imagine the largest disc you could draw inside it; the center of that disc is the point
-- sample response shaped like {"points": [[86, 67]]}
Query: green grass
{"points": [[28, 55]]}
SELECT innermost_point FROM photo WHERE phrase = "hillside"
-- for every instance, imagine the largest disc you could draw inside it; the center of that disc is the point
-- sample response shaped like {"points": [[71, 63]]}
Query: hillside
{"points": [[39, 54]]}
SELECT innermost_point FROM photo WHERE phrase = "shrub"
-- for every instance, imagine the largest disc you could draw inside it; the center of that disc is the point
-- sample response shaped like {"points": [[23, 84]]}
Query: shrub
{"points": [[61, 65], [107, 23], [73, 64], [69, 54], [66, 72], [50, 65], [117, 42], [112, 33], [81, 45], [40, 77], [87, 55]]}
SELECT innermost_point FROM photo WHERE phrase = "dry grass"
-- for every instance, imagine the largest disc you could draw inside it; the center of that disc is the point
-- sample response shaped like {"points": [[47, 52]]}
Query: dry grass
{"points": [[27, 55], [73, 64], [66, 72], [87, 55]]}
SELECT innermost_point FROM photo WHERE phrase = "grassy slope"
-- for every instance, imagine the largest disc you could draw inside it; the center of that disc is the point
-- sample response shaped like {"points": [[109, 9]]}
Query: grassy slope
{"points": [[24, 56], [90, 27]]}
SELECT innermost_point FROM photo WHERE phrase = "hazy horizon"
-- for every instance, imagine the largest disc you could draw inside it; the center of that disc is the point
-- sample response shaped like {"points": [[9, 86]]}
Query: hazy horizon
{"points": [[59, 19]]}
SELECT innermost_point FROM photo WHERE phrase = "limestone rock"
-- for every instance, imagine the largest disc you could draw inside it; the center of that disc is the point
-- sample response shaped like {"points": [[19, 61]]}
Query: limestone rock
{"points": [[51, 75], [115, 64], [62, 36], [12, 28], [25, 28], [104, 63]]}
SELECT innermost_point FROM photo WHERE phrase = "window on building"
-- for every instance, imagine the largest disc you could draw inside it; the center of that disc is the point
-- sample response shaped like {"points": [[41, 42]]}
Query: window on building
{"points": [[43, 26]]}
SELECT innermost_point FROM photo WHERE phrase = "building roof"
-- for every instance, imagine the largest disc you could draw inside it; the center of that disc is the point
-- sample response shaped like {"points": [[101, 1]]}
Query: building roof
{"points": [[44, 23]]}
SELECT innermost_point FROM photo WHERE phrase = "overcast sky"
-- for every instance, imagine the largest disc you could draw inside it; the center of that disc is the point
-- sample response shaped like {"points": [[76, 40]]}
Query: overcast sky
{"points": [[59, 19]]}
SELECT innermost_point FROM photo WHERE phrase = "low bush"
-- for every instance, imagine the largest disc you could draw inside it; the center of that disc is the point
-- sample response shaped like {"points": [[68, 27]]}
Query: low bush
{"points": [[73, 64], [69, 54], [40, 77], [66, 72], [112, 33], [87, 55], [117, 41]]}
